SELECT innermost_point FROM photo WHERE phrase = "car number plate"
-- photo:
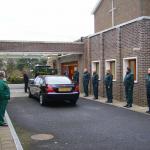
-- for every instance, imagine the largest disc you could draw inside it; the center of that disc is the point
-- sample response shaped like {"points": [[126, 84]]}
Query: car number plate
{"points": [[64, 89]]}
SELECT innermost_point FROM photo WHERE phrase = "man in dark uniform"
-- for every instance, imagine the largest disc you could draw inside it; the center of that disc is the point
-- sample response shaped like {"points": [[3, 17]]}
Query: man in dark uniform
{"points": [[129, 84], [76, 76], [26, 80], [86, 79], [109, 84], [95, 83], [148, 89]]}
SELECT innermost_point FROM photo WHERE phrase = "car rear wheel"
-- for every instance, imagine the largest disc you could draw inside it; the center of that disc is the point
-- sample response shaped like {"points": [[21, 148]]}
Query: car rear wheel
{"points": [[42, 100]]}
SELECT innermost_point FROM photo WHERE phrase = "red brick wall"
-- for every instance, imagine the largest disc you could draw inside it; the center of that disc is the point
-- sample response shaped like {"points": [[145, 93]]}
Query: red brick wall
{"points": [[7, 46], [125, 10], [131, 40]]}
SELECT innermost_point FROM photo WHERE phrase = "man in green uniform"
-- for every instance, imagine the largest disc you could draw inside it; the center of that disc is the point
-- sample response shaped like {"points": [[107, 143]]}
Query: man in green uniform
{"points": [[95, 83], [129, 84], [109, 84], [4, 97], [148, 89], [76, 76], [86, 79]]}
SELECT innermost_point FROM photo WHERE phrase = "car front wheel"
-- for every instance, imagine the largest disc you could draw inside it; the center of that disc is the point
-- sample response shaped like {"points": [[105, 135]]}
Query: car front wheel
{"points": [[42, 100], [30, 95]]}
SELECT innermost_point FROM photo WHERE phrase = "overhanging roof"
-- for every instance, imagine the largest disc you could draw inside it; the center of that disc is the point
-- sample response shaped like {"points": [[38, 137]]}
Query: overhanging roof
{"points": [[97, 6], [41, 47]]}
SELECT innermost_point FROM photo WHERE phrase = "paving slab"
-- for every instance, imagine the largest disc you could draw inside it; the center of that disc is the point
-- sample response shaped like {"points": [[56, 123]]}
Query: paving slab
{"points": [[6, 139], [116, 103]]}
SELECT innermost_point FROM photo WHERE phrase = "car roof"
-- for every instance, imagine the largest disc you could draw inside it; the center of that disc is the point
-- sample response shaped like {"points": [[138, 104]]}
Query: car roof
{"points": [[44, 76]]}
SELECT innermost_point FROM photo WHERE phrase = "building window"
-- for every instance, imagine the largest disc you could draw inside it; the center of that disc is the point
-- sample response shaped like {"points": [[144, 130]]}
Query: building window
{"points": [[111, 65], [130, 62], [96, 66]]}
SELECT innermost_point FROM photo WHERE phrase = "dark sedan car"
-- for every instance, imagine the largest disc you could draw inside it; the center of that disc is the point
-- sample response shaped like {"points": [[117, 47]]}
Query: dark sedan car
{"points": [[53, 88]]}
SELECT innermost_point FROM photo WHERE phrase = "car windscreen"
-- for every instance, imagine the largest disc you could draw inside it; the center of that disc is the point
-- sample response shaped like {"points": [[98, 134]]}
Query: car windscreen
{"points": [[57, 80]]}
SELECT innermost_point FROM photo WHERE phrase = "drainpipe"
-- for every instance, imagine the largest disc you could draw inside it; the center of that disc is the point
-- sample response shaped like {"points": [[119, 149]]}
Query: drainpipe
{"points": [[113, 19]]}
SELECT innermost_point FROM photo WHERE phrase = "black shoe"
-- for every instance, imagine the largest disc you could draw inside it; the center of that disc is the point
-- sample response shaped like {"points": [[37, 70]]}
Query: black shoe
{"points": [[110, 101], [148, 112], [129, 106], [4, 125], [85, 95], [126, 105]]}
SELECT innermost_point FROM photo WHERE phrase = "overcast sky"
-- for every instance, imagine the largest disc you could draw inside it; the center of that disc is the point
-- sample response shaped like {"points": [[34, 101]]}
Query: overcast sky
{"points": [[46, 20]]}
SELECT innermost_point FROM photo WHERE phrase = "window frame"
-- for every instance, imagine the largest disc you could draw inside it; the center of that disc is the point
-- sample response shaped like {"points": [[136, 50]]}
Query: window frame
{"points": [[94, 67], [125, 61], [107, 62]]}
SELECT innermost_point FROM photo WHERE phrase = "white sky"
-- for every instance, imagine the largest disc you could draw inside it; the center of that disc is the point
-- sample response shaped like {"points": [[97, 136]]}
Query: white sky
{"points": [[46, 20]]}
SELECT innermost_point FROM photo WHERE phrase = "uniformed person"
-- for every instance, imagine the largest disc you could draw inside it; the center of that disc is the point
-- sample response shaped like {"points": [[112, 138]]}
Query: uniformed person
{"points": [[129, 84], [148, 89], [95, 84], [76, 76], [109, 85], [26, 80], [86, 79], [4, 97]]}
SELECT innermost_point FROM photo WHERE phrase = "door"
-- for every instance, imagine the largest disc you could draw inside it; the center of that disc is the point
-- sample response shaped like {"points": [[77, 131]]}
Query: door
{"points": [[132, 65], [68, 69]]}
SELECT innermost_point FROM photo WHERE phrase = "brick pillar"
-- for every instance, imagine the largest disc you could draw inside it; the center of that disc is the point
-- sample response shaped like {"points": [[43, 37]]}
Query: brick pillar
{"points": [[102, 65], [119, 66], [89, 63]]}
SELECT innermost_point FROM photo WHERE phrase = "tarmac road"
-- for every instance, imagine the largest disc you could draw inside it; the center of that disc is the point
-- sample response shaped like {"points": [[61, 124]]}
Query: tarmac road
{"points": [[88, 126]]}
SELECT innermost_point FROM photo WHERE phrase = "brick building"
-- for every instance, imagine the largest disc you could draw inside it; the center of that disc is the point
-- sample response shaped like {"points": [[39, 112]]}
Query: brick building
{"points": [[121, 39], [109, 13]]}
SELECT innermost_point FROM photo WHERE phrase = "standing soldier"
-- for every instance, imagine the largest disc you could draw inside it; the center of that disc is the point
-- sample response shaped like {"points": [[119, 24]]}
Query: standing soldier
{"points": [[4, 97], [86, 79], [26, 80], [76, 76], [129, 84], [109, 84], [148, 89], [95, 83]]}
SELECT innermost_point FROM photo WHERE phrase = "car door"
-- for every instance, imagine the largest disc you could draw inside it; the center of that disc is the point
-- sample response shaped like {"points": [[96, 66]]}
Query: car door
{"points": [[31, 86], [38, 83]]}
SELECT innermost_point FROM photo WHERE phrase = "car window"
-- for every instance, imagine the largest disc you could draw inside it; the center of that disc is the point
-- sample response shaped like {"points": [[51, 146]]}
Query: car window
{"points": [[58, 80], [38, 81]]}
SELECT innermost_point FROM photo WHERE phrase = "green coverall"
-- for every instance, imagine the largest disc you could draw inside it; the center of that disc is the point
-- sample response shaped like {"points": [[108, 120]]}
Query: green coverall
{"points": [[76, 77], [86, 79], [129, 84], [95, 83], [148, 90], [109, 85], [4, 97]]}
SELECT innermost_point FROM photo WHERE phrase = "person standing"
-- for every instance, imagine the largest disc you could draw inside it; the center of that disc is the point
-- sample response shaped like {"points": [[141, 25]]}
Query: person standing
{"points": [[95, 83], [76, 76], [86, 79], [148, 89], [129, 84], [4, 97], [109, 85], [26, 80]]}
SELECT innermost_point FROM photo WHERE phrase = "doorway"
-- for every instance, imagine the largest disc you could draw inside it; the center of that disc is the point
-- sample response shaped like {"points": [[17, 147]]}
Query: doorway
{"points": [[68, 69]]}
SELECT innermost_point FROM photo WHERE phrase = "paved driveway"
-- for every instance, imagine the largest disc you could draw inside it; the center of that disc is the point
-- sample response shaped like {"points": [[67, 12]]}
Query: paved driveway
{"points": [[88, 126]]}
